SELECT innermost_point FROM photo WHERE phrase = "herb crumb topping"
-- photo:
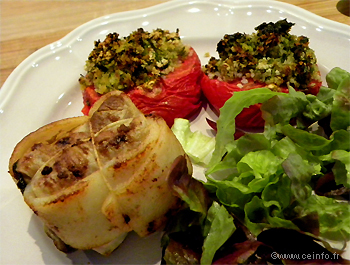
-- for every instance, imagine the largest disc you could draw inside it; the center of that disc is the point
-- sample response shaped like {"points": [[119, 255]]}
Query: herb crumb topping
{"points": [[138, 59], [271, 55]]}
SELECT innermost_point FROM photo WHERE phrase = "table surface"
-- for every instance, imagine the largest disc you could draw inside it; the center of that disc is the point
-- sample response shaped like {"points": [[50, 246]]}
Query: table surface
{"points": [[26, 26]]}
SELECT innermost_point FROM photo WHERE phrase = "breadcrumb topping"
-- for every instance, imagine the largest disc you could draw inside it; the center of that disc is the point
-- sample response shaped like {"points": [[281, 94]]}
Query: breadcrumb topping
{"points": [[138, 59], [271, 55]]}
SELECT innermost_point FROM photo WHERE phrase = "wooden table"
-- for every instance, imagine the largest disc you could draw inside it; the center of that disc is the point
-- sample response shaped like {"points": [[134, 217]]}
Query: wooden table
{"points": [[26, 26]]}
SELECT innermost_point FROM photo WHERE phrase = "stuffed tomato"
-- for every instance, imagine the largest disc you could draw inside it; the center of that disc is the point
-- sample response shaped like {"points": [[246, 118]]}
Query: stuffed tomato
{"points": [[271, 58], [155, 69]]}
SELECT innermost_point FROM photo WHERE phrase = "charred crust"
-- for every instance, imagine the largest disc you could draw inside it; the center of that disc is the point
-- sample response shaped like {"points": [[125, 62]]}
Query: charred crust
{"points": [[126, 218], [21, 184], [117, 165], [153, 116], [46, 170], [151, 227], [36, 146], [64, 141], [63, 197], [59, 244], [78, 173], [19, 177], [120, 139]]}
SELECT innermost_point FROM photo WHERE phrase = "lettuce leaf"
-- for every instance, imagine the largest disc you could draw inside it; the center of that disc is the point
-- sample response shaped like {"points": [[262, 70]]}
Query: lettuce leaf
{"points": [[258, 216], [226, 121], [198, 146], [218, 228], [256, 164], [266, 180], [341, 167], [341, 103], [334, 216]]}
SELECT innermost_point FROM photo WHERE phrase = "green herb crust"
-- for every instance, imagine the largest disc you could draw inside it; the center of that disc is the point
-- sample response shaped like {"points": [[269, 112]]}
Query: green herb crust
{"points": [[138, 59], [271, 56]]}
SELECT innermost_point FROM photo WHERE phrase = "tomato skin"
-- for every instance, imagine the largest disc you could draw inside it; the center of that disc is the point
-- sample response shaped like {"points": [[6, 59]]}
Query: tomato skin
{"points": [[90, 96], [178, 95], [217, 92], [315, 87]]}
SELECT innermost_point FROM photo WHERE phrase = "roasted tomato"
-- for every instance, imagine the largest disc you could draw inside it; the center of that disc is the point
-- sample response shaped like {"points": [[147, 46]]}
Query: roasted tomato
{"points": [[271, 58], [158, 72], [178, 95], [218, 92]]}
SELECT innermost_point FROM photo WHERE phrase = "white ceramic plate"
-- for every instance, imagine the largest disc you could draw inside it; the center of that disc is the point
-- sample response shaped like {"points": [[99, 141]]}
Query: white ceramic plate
{"points": [[45, 88]]}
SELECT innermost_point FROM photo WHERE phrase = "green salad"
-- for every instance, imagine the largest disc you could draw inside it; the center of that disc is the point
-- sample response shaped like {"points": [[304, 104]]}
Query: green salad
{"points": [[293, 179]]}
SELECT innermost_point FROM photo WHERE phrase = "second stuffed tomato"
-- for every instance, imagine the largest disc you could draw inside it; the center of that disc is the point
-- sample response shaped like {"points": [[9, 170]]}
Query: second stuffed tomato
{"points": [[271, 58], [155, 69]]}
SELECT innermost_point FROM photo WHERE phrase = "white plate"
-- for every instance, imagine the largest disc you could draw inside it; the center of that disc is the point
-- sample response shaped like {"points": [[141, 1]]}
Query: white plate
{"points": [[45, 88]]}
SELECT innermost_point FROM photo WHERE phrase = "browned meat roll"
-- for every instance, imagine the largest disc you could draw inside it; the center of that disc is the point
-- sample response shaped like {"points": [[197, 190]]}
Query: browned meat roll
{"points": [[93, 179]]}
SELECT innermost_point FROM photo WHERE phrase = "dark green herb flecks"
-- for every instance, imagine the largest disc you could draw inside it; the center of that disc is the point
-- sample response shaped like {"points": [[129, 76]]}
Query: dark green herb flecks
{"points": [[138, 59], [271, 55]]}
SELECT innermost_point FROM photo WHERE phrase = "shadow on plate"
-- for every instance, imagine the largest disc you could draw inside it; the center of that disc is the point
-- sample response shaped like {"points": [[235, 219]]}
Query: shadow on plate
{"points": [[134, 250]]}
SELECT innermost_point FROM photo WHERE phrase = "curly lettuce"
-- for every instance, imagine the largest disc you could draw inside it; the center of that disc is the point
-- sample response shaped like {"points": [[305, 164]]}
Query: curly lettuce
{"points": [[267, 180]]}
